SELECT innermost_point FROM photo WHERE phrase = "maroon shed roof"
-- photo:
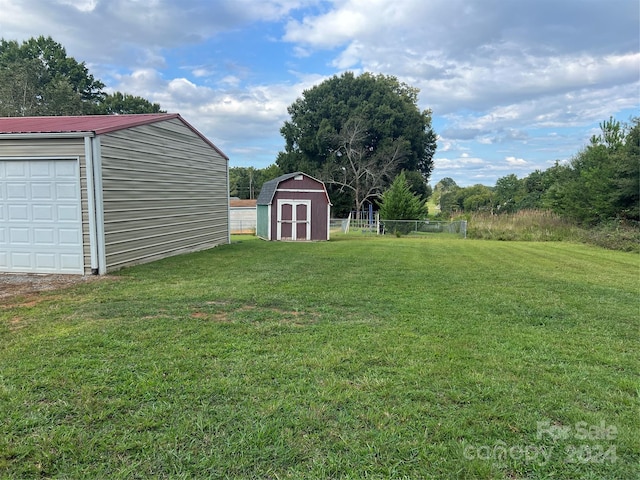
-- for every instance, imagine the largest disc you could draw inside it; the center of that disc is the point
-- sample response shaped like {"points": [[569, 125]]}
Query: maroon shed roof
{"points": [[98, 124]]}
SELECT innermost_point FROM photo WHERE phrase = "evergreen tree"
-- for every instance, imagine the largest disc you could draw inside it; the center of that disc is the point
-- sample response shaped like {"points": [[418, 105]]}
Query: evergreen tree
{"points": [[400, 203]]}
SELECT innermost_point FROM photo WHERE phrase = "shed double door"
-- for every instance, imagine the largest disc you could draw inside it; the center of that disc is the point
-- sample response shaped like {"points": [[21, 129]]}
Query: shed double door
{"points": [[294, 220]]}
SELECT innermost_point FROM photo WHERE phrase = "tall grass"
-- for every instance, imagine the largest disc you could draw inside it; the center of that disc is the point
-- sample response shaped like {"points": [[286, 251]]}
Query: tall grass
{"points": [[528, 225], [544, 225]]}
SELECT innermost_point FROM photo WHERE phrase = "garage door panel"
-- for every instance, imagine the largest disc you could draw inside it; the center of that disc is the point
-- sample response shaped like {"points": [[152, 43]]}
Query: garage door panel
{"points": [[42, 230], [17, 191], [19, 236], [42, 213], [68, 237], [44, 236], [41, 170], [68, 213], [18, 213], [66, 191], [45, 261], [20, 260], [41, 191], [70, 262], [17, 170], [65, 170]]}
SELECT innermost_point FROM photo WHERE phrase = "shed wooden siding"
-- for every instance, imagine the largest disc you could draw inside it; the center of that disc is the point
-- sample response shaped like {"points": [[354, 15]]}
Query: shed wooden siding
{"points": [[291, 190], [164, 192], [63, 148]]}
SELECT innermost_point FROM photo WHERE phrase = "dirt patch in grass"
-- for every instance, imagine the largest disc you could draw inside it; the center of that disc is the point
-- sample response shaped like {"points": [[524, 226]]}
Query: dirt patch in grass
{"points": [[14, 285]]}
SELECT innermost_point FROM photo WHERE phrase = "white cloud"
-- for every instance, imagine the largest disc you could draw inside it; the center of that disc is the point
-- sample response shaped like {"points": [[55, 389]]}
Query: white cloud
{"points": [[462, 162], [231, 81], [123, 31], [81, 5], [502, 56], [506, 80], [243, 121], [516, 162]]}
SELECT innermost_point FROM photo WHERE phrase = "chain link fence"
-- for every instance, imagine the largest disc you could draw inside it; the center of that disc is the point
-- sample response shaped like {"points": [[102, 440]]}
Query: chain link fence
{"points": [[242, 226], [378, 226], [417, 227]]}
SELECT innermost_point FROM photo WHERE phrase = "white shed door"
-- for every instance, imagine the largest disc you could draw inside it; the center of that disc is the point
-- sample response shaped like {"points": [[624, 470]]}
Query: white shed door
{"points": [[40, 217]]}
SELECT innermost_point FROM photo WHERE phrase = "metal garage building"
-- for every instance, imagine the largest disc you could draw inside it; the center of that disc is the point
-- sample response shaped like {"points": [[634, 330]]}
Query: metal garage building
{"points": [[91, 194]]}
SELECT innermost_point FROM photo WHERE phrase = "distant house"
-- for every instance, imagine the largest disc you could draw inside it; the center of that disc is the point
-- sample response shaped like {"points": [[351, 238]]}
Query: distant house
{"points": [[242, 216], [293, 207], [91, 194]]}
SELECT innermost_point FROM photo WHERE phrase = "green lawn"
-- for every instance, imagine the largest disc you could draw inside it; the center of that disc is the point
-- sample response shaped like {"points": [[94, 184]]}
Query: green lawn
{"points": [[356, 358]]}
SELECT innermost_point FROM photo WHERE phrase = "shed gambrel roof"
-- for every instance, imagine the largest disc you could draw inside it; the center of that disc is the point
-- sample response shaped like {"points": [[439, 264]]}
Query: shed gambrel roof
{"points": [[269, 188], [96, 124]]}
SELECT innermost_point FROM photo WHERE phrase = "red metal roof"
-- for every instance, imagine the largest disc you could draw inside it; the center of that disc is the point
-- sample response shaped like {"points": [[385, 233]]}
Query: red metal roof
{"points": [[97, 124], [88, 123]]}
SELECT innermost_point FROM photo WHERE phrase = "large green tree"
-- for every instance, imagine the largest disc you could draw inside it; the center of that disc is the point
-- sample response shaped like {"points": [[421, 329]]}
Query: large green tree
{"points": [[509, 192], [38, 78], [357, 133], [119, 103]]}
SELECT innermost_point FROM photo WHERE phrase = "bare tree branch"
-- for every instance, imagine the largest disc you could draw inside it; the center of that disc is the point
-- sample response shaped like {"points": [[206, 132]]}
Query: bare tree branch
{"points": [[359, 167]]}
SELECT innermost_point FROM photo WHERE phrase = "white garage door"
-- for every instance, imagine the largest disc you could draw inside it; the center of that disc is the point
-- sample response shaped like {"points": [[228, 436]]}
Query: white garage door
{"points": [[40, 217]]}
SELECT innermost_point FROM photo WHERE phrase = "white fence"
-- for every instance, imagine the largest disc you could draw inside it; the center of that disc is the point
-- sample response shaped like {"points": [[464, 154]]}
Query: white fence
{"points": [[237, 226]]}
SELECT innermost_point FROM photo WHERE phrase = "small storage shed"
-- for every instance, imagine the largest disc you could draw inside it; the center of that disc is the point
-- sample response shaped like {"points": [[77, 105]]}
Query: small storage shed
{"points": [[91, 194], [294, 206]]}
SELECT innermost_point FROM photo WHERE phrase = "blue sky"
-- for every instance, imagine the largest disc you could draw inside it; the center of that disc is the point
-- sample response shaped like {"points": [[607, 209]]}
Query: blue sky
{"points": [[514, 85]]}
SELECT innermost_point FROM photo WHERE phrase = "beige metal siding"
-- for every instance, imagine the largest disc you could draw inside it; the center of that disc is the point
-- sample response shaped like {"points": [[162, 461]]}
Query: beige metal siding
{"points": [[164, 193], [55, 148]]}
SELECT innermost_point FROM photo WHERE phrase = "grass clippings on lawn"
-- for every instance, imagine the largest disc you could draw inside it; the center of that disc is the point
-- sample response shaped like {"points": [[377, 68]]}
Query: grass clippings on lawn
{"points": [[355, 358]]}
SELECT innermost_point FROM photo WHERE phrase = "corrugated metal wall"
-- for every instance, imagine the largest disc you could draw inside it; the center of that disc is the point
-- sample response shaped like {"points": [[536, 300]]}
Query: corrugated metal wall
{"points": [[164, 193], [52, 148]]}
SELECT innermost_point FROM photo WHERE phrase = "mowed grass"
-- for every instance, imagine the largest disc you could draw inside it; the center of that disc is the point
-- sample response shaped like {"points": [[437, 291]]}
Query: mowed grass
{"points": [[355, 358]]}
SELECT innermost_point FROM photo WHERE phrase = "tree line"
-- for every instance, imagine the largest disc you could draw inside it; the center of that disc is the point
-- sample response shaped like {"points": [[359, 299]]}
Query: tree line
{"points": [[37, 78], [599, 184]]}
